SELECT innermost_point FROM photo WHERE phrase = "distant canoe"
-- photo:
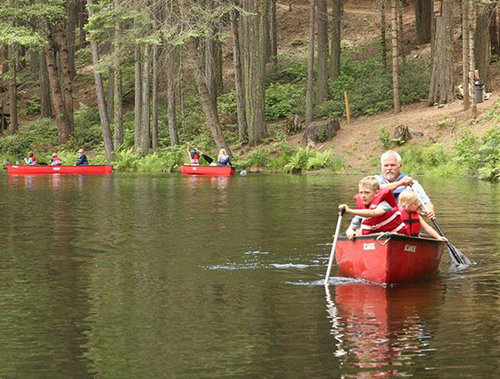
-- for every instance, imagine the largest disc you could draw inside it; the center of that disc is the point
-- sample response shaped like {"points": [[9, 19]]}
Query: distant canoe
{"points": [[207, 170], [388, 258], [66, 170]]}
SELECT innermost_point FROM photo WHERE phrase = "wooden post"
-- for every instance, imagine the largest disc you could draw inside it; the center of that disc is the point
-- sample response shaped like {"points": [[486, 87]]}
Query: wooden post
{"points": [[347, 110]]}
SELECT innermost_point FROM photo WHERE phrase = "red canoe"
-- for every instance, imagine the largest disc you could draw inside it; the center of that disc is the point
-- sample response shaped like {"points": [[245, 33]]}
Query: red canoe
{"points": [[207, 170], [388, 258], [13, 169]]}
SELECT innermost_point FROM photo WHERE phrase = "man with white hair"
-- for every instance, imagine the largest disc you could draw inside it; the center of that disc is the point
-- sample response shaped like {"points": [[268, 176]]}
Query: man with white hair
{"points": [[393, 179]]}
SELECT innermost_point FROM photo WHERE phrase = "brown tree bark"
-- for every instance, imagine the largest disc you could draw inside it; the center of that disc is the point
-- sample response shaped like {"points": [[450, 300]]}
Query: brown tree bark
{"points": [[71, 7], [494, 31], [273, 34], [441, 86], [101, 103], [65, 75], [310, 63], [322, 75], [118, 86], [472, 67], [395, 56], [46, 107], [238, 77], [383, 43], [12, 62], [137, 98], [465, 53], [482, 46], [423, 17], [146, 124], [172, 64], [154, 99], [335, 39]]}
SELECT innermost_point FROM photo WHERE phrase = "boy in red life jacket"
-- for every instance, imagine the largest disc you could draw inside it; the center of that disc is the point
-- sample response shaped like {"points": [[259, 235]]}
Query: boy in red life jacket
{"points": [[378, 208], [55, 160], [409, 204]]}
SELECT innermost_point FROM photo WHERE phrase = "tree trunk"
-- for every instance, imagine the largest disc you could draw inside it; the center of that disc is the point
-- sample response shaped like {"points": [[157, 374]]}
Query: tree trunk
{"points": [[12, 59], [395, 56], [172, 65], [423, 17], [441, 87], [209, 65], [154, 99], [401, 51], [310, 63], [238, 80], [253, 67], [335, 40], [322, 79], [118, 109], [66, 78], [101, 104], [465, 53], [472, 68], [111, 95], [46, 108], [482, 47], [137, 99], [145, 136], [57, 98], [208, 106], [383, 44], [71, 8], [273, 33], [494, 32]]}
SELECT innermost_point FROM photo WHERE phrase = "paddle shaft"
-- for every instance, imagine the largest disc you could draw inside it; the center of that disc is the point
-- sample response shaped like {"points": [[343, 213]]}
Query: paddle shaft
{"points": [[334, 245]]}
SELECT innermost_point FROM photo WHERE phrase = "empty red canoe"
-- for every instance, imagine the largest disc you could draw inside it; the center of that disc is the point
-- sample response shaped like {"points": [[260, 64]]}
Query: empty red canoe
{"points": [[67, 170], [388, 258], [207, 170]]}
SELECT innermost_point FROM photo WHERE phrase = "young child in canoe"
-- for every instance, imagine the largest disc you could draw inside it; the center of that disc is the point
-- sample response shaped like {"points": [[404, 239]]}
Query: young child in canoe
{"points": [[409, 204], [378, 209]]}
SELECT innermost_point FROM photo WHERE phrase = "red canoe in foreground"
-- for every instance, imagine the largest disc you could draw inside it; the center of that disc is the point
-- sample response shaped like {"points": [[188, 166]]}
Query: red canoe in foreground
{"points": [[388, 258], [187, 169], [13, 169]]}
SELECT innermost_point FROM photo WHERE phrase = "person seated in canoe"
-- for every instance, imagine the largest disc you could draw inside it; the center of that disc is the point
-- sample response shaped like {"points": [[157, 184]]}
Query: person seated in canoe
{"points": [[55, 160], [409, 204], [30, 160], [82, 158], [378, 210], [223, 158], [194, 155]]}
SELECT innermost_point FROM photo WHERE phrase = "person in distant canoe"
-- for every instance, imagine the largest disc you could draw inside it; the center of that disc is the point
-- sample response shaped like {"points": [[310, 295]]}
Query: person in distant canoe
{"points": [[55, 160], [30, 160], [223, 158], [378, 210], [194, 155], [409, 204], [82, 158]]}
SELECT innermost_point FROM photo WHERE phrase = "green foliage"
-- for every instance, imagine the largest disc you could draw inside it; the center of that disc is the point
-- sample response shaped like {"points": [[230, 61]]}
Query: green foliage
{"points": [[37, 136], [290, 70], [310, 160], [283, 100], [494, 112], [162, 160], [32, 108]]}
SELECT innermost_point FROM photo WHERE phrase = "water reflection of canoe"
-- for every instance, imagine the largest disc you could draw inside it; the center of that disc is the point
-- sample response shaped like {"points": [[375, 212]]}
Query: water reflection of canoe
{"points": [[207, 170], [388, 258], [68, 170]]}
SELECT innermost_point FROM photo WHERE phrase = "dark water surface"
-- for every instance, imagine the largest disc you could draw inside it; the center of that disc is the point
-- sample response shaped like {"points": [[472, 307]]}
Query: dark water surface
{"points": [[128, 276]]}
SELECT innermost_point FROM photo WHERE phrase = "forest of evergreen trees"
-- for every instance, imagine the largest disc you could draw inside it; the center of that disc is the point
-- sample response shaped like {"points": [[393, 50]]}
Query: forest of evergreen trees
{"points": [[148, 47]]}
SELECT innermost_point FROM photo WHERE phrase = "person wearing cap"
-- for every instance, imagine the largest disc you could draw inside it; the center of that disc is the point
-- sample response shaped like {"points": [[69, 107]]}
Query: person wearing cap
{"points": [[82, 158]]}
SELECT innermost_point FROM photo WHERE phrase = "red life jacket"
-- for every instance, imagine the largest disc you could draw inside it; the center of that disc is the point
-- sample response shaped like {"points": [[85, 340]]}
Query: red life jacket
{"points": [[56, 161], [195, 159], [412, 221], [390, 221]]}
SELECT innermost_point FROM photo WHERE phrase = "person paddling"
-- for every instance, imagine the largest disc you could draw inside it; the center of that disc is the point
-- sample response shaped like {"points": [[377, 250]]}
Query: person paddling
{"points": [[82, 158], [223, 158], [194, 155], [30, 160]]}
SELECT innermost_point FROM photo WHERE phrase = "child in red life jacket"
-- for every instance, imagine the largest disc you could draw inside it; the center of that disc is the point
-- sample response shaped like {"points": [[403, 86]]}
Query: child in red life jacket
{"points": [[409, 203], [55, 160], [378, 208]]}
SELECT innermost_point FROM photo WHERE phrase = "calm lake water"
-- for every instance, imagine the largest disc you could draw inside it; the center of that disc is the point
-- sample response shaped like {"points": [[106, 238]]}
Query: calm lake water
{"points": [[130, 276]]}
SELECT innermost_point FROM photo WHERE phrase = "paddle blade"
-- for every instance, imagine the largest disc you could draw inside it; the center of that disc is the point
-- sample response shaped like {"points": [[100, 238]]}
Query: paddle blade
{"points": [[207, 158], [457, 257]]}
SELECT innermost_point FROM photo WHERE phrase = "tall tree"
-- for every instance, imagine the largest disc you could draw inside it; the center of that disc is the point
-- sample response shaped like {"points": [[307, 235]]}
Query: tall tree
{"points": [[395, 55], [472, 68], [482, 47], [137, 98], [383, 44], [423, 18], [238, 76], [465, 52], [12, 59], [310, 63], [335, 39], [101, 104], [146, 122], [322, 76], [441, 87]]}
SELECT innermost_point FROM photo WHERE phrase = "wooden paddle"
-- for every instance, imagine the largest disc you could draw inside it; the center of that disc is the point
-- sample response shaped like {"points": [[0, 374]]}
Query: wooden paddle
{"points": [[456, 255], [334, 245]]}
